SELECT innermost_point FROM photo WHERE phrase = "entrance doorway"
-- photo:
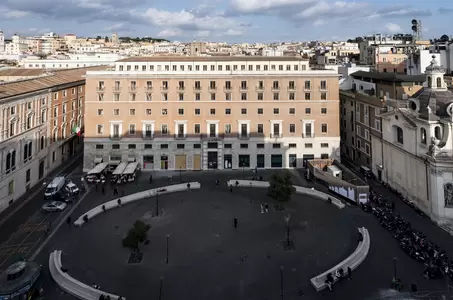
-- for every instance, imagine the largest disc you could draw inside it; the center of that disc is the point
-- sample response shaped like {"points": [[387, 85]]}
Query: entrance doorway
{"points": [[379, 175], [148, 162], [227, 161], [197, 162], [164, 162], [41, 170], [307, 157], [212, 160]]}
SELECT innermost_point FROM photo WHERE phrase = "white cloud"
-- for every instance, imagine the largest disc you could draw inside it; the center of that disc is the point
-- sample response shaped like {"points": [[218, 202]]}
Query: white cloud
{"points": [[170, 33], [393, 28], [114, 27]]}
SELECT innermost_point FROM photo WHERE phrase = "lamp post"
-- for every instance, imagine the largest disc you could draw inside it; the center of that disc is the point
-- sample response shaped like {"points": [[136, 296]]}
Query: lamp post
{"points": [[281, 282], [394, 266], [161, 286], [157, 203], [168, 237], [180, 174], [287, 219]]}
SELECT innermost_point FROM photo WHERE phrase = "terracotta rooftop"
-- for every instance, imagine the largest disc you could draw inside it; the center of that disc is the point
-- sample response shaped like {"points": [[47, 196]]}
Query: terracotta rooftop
{"points": [[45, 82], [22, 72], [208, 58], [392, 77]]}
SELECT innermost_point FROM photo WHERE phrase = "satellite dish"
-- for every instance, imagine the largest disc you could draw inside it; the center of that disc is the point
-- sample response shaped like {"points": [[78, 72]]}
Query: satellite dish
{"points": [[414, 22], [414, 28]]}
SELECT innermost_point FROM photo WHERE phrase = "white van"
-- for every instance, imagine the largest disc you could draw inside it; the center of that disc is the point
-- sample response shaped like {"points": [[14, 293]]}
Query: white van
{"points": [[72, 189], [54, 187]]}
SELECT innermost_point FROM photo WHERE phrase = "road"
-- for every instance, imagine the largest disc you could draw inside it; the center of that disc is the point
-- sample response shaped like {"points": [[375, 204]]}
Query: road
{"points": [[23, 226]]}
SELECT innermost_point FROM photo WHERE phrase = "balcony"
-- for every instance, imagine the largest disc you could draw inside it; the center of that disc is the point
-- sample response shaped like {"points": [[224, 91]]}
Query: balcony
{"points": [[197, 88], [133, 89], [148, 135], [100, 89], [212, 88], [164, 88], [115, 137], [276, 135], [307, 88], [212, 136], [243, 136], [227, 89], [181, 88], [275, 88], [291, 88], [259, 88], [149, 88], [308, 135], [180, 136], [243, 88], [117, 88]]}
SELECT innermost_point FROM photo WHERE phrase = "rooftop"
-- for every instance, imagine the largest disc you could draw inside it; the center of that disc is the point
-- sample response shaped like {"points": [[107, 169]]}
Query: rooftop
{"points": [[57, 78], [391, 77], [22, 72], [209, 58]]}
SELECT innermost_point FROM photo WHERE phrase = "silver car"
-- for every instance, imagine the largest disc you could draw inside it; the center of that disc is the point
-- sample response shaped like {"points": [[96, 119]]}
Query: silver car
{"points": [[54, 206]]}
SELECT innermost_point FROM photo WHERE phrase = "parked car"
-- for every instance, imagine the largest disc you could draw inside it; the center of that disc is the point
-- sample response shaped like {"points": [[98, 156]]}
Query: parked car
{"points": [[61, 196], [71, 188], [54, 206]]}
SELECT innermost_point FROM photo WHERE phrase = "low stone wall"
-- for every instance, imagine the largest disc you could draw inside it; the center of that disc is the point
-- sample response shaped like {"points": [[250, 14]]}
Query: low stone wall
{"points": [[299, 189], [71, 285], [134, 197], [353, 261]]}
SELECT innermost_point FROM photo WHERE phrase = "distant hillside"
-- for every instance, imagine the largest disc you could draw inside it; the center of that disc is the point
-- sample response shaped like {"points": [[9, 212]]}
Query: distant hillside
{"points": [[127, 39]]}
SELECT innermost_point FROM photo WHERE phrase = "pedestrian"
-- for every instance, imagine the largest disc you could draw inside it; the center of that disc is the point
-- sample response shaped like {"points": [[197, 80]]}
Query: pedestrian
{"points": [[262, 208], [349, 273], [217, 182], [68, 221], [188, 186], [115, 191], [266, 207], [150, 179], [119, 202], [231, 188], [235, 223]]}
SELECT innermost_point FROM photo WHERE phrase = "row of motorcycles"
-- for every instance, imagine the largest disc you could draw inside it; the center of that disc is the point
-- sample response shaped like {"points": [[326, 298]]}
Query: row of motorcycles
{"points": [[412, 242], [400, 196]]}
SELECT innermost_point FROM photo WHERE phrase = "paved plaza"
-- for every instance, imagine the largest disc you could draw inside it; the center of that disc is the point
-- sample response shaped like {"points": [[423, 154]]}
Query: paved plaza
{"points": [[209, 259]]}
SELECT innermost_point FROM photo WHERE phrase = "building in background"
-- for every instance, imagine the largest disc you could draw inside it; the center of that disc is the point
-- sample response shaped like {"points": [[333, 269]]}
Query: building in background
{"points": [[415, 154], [193, 113], [39, 121]]}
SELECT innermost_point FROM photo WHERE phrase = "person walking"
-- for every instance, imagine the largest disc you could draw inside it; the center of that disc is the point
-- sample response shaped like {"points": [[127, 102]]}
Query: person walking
{"points": [[262, 208], [349, 273], [235, 223], [266, 207], [150, 179], [68, 221], [188, 186], [231, 188]]}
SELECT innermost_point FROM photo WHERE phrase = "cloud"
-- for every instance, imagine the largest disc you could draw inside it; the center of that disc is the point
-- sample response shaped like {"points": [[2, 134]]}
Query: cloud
{"points": [[393, 28], [445, 10]]}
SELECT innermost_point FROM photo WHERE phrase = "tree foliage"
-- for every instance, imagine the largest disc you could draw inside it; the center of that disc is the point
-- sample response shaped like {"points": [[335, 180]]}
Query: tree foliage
{"points": [[281, 187], [137, 235]]}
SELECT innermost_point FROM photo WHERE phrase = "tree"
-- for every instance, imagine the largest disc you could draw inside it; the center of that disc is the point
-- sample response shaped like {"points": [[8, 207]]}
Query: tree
{"points": [[137, 235], [281, 187], [106, 39], [444, 38]]}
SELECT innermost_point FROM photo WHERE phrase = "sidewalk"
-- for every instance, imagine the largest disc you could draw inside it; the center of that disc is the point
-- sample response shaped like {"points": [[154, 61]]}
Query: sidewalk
{"points": [[6, 214]]}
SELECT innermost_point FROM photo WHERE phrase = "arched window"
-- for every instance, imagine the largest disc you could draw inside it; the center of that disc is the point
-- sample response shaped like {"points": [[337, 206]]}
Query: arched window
{"points": [[8, 162], [399, 135], [25, 152], [42, 143], [430, 81], [448, 194], [423, 135], [439, 82], [13, 160], [438, 132], [30, 149]]}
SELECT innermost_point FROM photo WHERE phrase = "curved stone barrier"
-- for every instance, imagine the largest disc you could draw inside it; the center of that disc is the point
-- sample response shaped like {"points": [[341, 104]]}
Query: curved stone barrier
{"points": [[299, 190], [134, 197], [71, 285], [353, 261]]}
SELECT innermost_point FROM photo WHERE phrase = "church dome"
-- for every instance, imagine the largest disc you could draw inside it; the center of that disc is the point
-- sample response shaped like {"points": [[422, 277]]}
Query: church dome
{"points": [[434, 67]]}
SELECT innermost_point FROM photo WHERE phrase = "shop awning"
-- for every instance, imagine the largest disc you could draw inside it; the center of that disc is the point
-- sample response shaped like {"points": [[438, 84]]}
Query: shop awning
{"points": [[98, 160], [131, 159]]}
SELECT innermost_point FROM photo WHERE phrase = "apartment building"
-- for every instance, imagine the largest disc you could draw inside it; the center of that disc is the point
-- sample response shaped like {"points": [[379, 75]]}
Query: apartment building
{"points": [[37, 117], [193, 113], [371, 94]]}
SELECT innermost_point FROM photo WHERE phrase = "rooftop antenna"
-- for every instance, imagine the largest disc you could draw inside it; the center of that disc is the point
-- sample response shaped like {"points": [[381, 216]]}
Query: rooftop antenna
{"points": [[416, 30]]}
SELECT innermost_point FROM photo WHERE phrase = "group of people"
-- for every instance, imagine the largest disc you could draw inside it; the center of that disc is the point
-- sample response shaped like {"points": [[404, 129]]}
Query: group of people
{"points": [[339, 275]]}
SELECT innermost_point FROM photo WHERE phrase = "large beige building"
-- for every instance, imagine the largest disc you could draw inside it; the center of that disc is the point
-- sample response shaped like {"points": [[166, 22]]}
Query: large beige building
{"points": [[192, 113]]}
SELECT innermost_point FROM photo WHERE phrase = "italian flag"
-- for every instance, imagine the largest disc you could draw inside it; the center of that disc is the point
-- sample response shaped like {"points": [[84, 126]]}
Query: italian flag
{"points": [[76, 130]]}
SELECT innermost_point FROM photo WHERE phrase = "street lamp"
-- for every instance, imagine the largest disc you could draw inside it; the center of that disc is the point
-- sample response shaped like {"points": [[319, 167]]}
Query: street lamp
{"points": [[157, 203], [161, 286], [287, 219], [180, 174], [281, 282], [394, 266], [168, 237]]}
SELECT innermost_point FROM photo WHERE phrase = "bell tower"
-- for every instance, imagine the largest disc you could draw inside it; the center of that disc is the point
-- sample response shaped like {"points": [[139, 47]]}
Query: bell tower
{"points": [[435, 76]]}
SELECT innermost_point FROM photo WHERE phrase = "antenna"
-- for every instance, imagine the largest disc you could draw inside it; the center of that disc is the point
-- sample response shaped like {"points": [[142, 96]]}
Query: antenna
{"points": [[416, 30]]}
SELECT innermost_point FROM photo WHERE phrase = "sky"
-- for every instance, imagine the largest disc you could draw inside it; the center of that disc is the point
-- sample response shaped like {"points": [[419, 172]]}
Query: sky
{"points": [[232, 21]]}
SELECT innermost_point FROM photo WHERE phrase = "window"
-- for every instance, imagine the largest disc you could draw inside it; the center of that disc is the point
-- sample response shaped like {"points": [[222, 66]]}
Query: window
{"points": [[292, 128], [212, 111], [179, 146], [164, 97], [28, 176], [99, 146], [228, 96], [181, 97], [399, 135], [164, 129], [308, 145], [291, 96], [196, 129], [197, 146], [260, 146], [228, 146], [377, 125], [260, 96], [244, 146], [197, 111], [197, 96], [116, 112], [276, 111], [367, 149], [212, 96], [132, 112], [423, 135], [148, 111], [308, 110], [260, 128], [116, 146], [276, 96], [260, 111], [323, 96], [324, 128], [243, 111], [323, 110], [100, 112], [11, 188], [131, 129], [307, 96], [307, 85], [292, 111], [163, 146], [100, 129], [243, 96], [292, 145], [276, 146], [164, 111], [131, 146], [324, 145], [181, 111], [367, 134], [227, 111], [323, 85], [228, 129]]}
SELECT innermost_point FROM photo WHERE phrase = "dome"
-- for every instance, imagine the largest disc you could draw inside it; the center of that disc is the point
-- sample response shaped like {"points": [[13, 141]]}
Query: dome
{"points": [[434, 67]]}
